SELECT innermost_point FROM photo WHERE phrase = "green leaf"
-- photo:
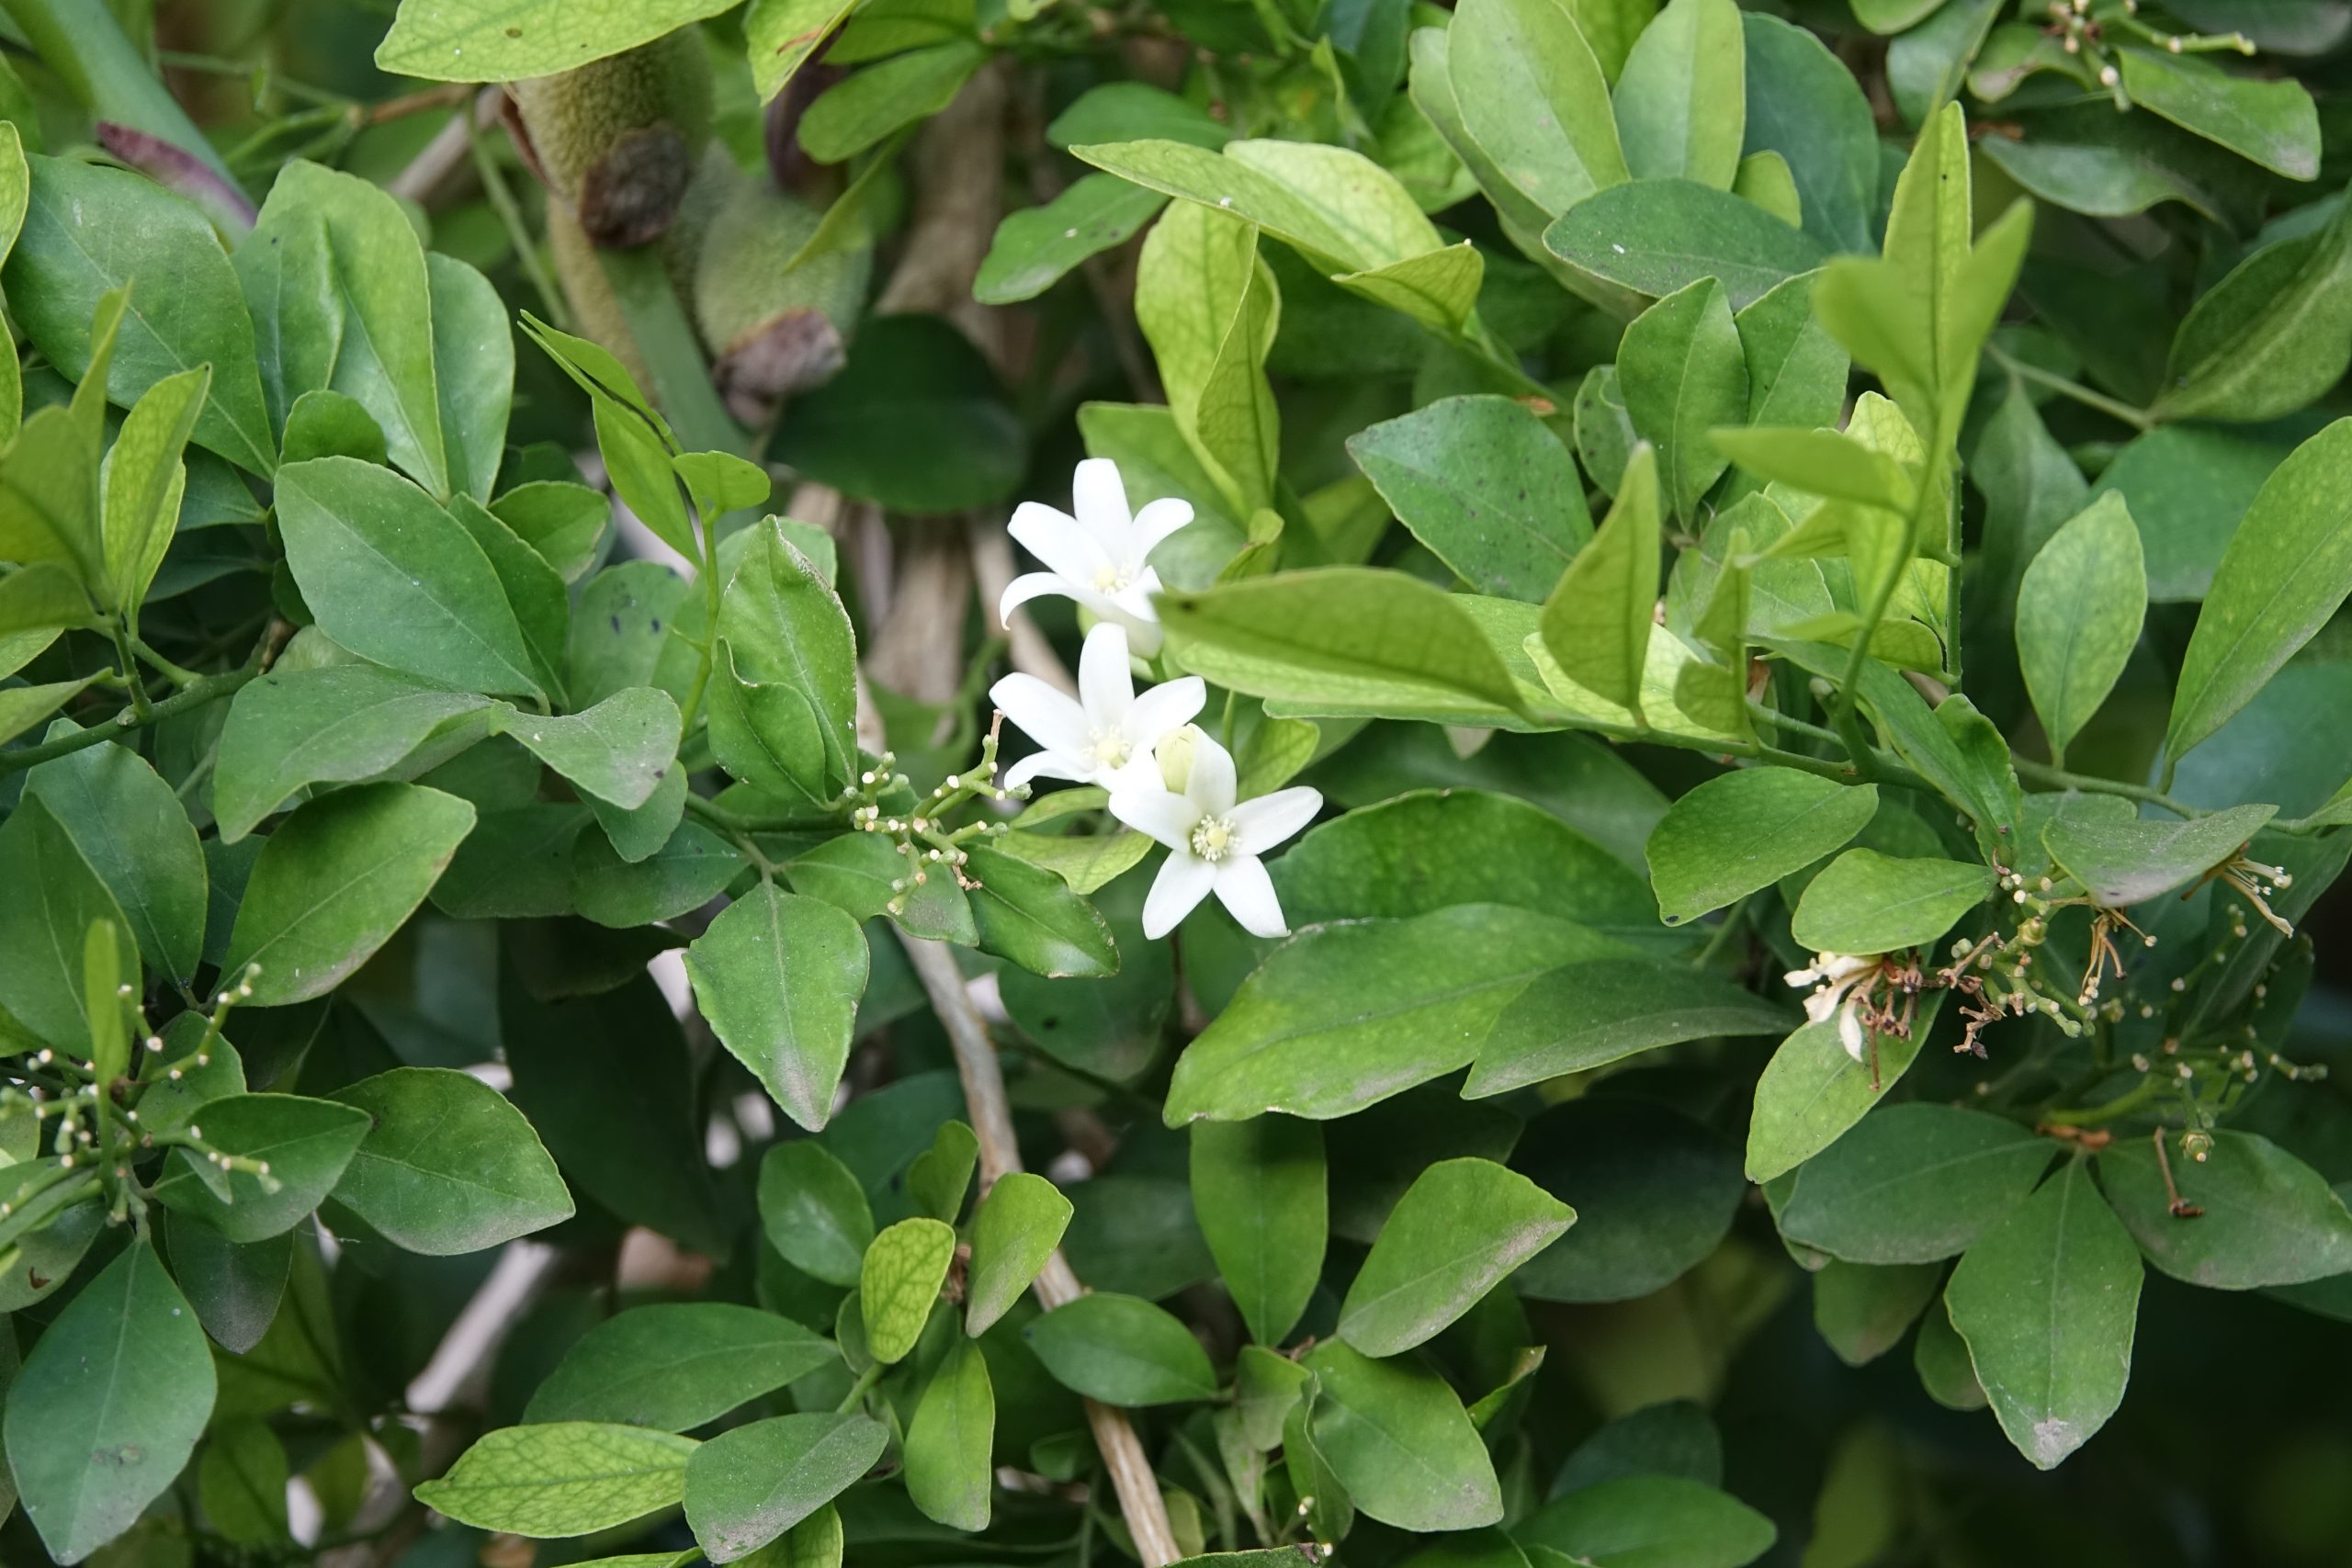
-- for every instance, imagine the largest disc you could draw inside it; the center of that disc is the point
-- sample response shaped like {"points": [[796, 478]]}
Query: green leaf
{"points": [[90, 229], [331, 724], [1133, 111], [1683, 374], [1863, 1309], [2047, 1302], [143, 478], [1813, 1089], [1458, 1231], [1681, 99], [676, 1365], [860, 111], [242, 1484], [637, 460], [1652, 1521], [1015, 1231], [565, 1478], [1913, 1184], [1038, 246], [525, 38], [1031, 915], [535, 590], [786, 626], [2273, 336], [949, 1477], [516, 863], [304, 1144], [618, 750], [450, 1166], [1486, 486], [1655, 1193], [749, 1485], [2078, 615], [1597, 620], [814, 1212], [783, 34], [1865, 902], [917, 422], [1349, 639], [1805, 105], [693, 866], [941, 1174], [334, 884], [1344, 1016], [1208, 306], [1258, 1192], [2129, 859], [132, 829], [1121, 1350], [396, 580], [898, 1282], [1400, 1442], [109, 1406], [563, 522], [1940, 1357], [1532, 96], [473, 366], [1796, 371], [2287, 569], [2273, 123], [1589, 1015], [1658, 236], [1743, 831], [21, 707], [779, 975], [2264, 1217]]}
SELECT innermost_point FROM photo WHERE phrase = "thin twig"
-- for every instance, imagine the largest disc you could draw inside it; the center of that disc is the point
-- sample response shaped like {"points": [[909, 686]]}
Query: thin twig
{"points": [[991, 1114]]}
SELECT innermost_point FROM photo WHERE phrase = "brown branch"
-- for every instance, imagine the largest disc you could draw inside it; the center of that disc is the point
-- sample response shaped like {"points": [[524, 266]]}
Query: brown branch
{"points": [[984, 1097]]}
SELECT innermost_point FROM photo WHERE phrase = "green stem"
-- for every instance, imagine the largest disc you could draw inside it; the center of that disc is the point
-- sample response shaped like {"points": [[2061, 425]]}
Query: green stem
{"points": [[2058, 778], [212, 688], [860, 1389], [2149, 1090], [2137, 418], [176, 674]]}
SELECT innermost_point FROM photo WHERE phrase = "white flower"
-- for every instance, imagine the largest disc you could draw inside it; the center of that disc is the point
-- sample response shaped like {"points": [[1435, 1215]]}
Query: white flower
{"points": [[1213, 843], [1099, 558], [1834, 976], [1105, 736]]}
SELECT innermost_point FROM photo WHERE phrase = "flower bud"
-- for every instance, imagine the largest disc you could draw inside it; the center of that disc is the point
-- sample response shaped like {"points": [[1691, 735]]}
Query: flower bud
{"points": [[1174, 755]]}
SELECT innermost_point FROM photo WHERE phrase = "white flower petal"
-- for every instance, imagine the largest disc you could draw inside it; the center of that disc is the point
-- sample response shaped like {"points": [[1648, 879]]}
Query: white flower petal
{"points": [[1050, 718], [1105, 686], [1168, 706], [1211, 787], [1822, 1003], [1051, 765], [1100, 498], [1141, 774], [1183, 881], [1033, 585], [1800, 977], [1259, 824], [1164, 814], [1057, 539], [1247, 895], [1144, 635], [1850, 1032], [1154, 524]]}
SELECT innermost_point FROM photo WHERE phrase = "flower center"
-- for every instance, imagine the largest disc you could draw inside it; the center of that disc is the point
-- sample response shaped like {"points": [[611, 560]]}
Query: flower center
{"points": [[1113, 579], [1112, 748], [1212, 839]]}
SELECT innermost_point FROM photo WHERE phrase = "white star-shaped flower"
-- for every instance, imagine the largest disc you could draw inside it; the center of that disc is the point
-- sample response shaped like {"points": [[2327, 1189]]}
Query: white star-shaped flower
{"points": [[1105, 735], [1099, 558], [1834, 976], [1213, 843]]}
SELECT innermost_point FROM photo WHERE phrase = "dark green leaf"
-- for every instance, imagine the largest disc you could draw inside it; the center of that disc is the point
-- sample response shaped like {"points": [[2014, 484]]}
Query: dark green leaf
{"points": [[1913, 1184], [1459, 1229], [779, 975], [747, 1486], [1121, 1351], [449, 1166], [673, 1366], [1257, 1188]]}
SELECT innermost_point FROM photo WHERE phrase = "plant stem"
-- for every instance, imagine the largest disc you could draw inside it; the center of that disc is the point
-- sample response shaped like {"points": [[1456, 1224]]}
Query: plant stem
{"points": [[860, 1389], [212, 688], [2058, 778], [2137, 418], [518, 232], [2148, 1090]]}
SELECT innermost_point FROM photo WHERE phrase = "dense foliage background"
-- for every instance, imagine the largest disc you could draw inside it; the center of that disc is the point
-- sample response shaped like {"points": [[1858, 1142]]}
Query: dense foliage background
{"points": [[1638, 879]]}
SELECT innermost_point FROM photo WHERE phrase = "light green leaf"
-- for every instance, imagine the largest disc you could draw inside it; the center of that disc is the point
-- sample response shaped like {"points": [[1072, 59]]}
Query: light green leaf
{"points": [[899, 1283], [1015, 1231], [1459, 1230], [334, 883], [142, 480], [2132, 859], [2287, 568], [1597, 622], [1681, 100], [474, 369], [1121, 1350], [787, 627], [446, 40], [2047, 1302], [1683, 374], [748, 1486], [861, 110], [2273, 123], [109, 1406], [1813, 1089], [565, 1478], [1344, 1016], [618, 750], [450, 1166], [1866, 902], [2274, 334], [676, 1365], [1038, 246], [1399, 1440], [1587, 1015], [1486, 486], [781, 35], [331, 723], [1743, 831], [1258, 1192], [1913, 1184], [1030, 915], [1530, 93], [950, 1439], [305, 1145], [778, 974], [1658, 236]]}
